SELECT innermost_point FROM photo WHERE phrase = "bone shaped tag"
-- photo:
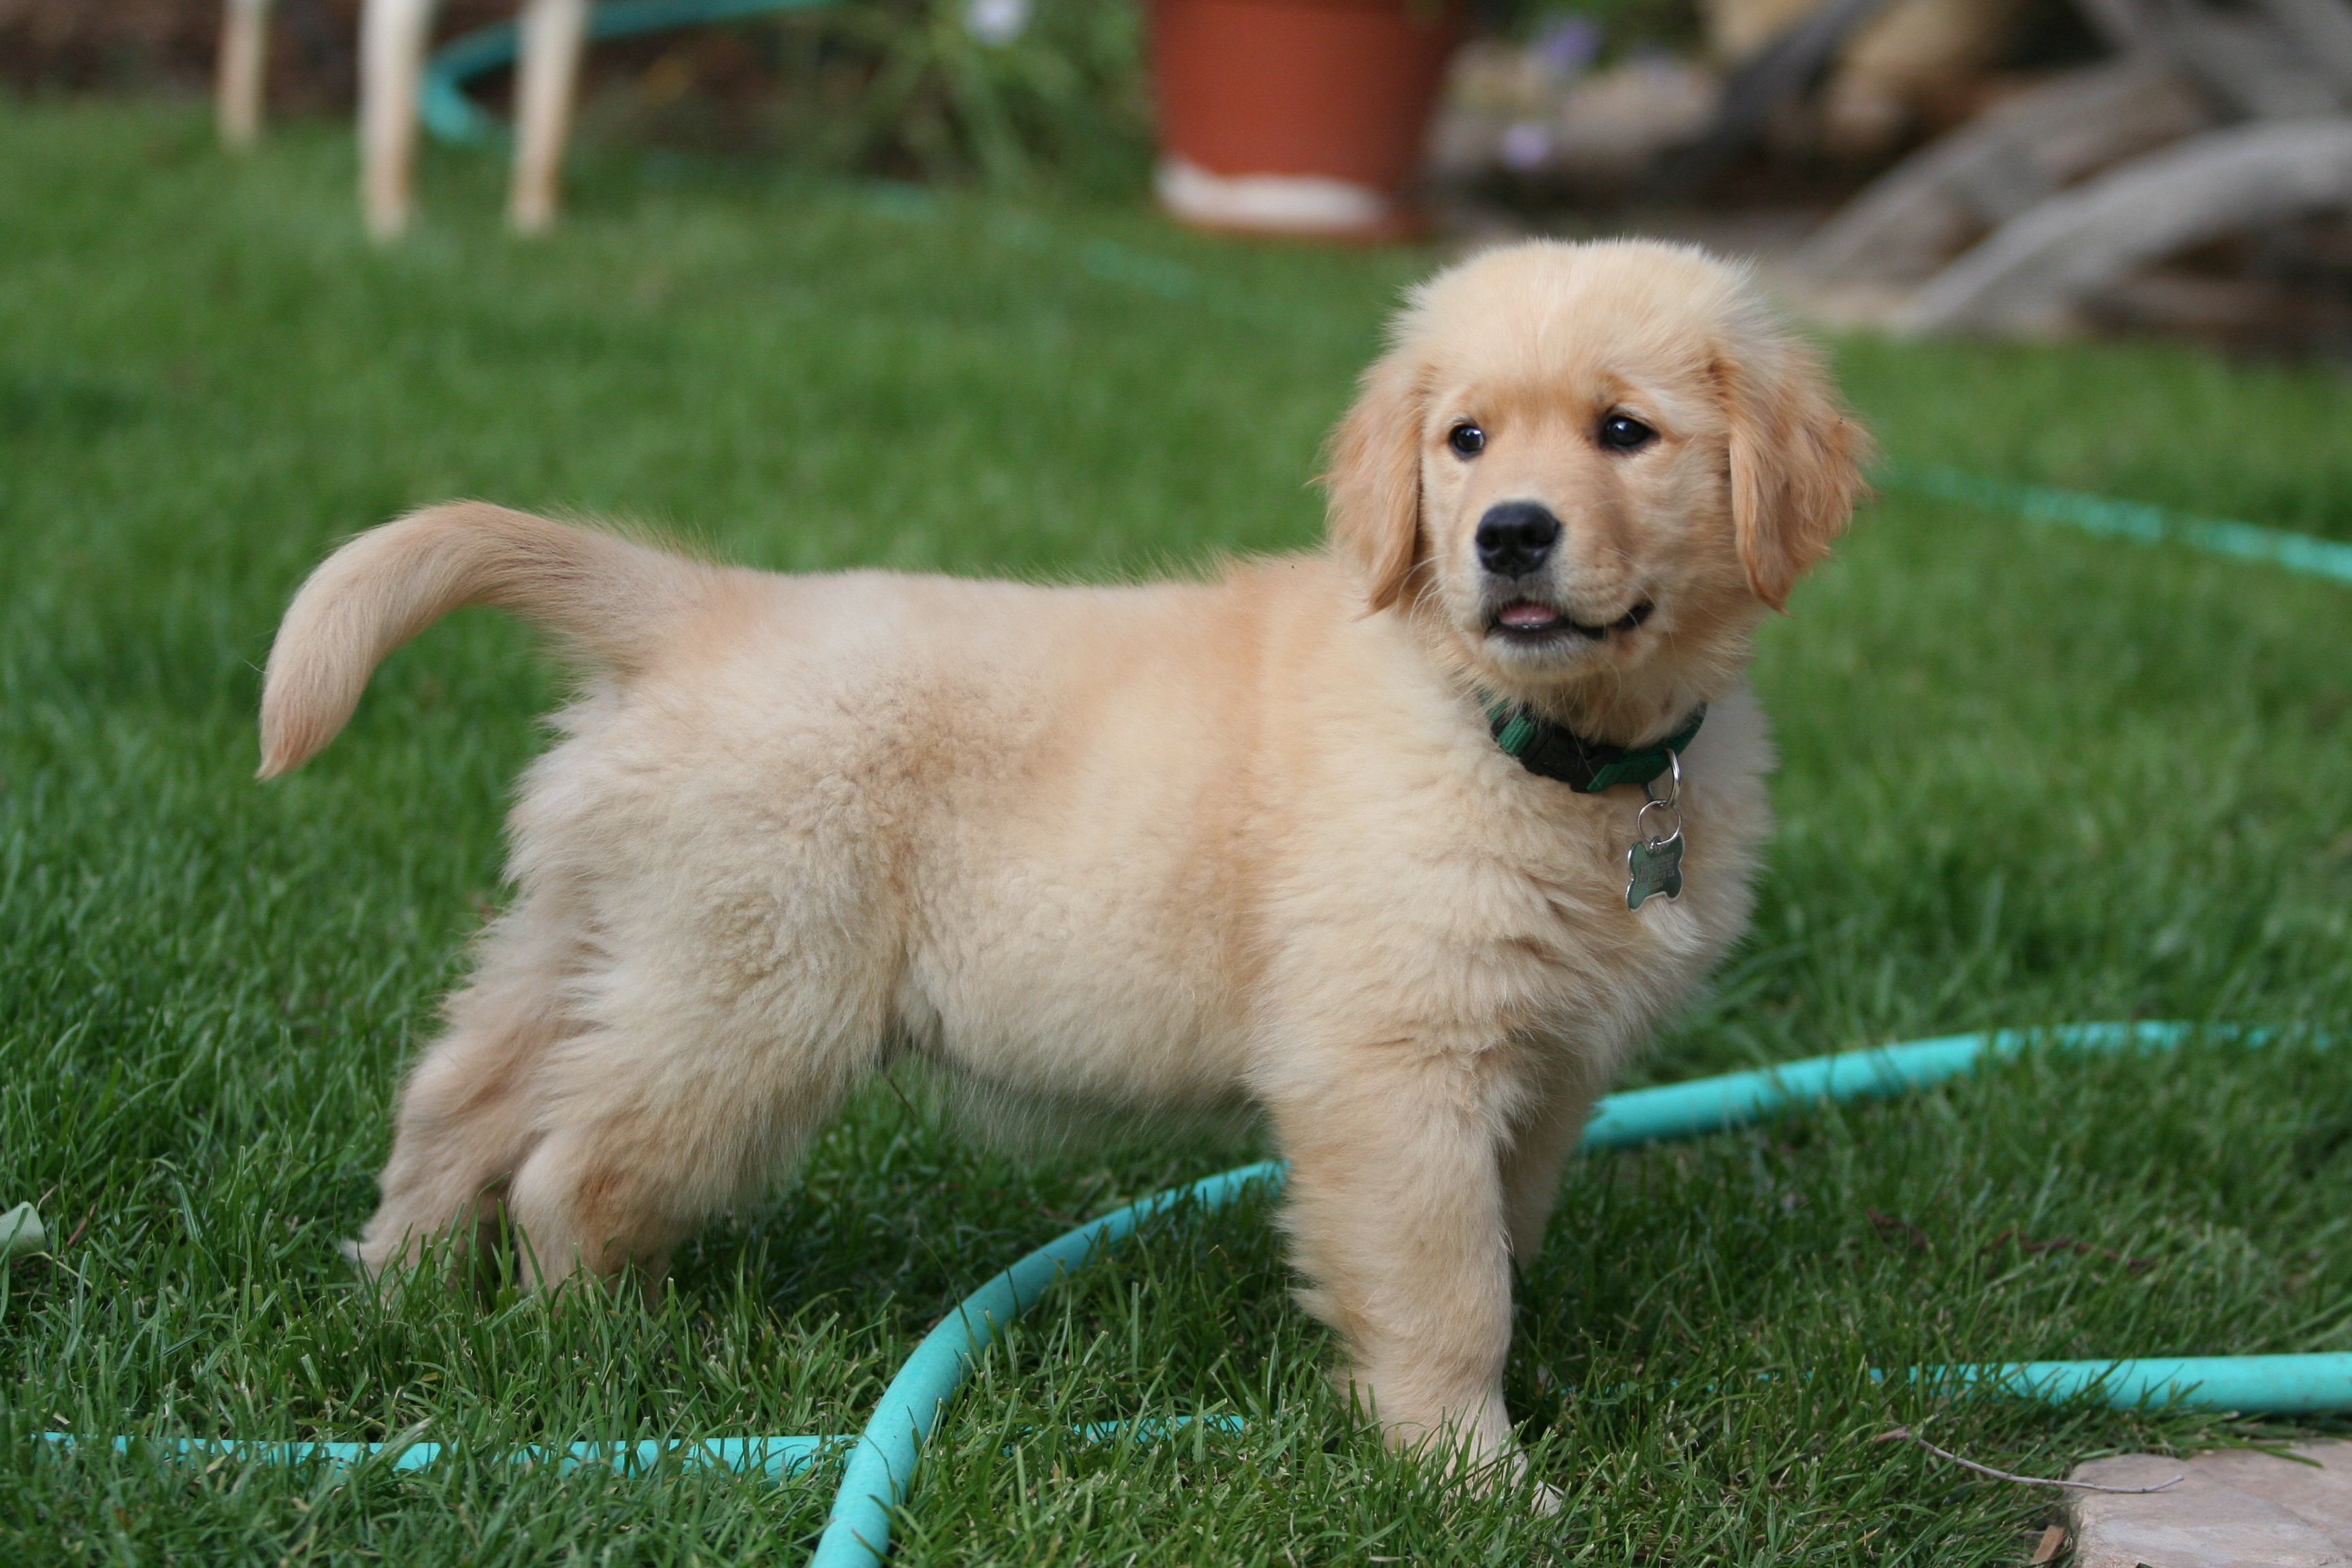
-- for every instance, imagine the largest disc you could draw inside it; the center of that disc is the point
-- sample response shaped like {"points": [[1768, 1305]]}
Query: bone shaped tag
{"points": [[1654, 866]]}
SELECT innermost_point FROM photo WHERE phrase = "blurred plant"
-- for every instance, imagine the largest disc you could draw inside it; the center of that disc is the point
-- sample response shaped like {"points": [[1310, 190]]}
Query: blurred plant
{"points": [[1012, 94]]}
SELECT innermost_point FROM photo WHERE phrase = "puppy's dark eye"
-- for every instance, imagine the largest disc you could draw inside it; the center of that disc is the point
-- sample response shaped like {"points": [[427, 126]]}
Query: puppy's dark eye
{"points": [[1621, 433], [1467, 438]]}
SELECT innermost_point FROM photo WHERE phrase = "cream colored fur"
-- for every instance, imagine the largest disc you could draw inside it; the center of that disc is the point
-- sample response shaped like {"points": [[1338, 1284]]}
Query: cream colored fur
{"points": [[1188, 845]]}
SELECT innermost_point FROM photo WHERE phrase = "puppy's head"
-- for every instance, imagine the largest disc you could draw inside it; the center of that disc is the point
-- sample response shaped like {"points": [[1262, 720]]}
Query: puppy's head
{"points": [[1590, 460]]}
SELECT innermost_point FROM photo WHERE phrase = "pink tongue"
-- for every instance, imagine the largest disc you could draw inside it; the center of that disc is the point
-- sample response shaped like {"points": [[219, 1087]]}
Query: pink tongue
{"points": [[1528, 617]]}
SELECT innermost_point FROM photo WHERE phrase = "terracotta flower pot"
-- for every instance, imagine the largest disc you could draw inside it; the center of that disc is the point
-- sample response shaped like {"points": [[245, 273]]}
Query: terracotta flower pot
{"points": [[1297, 116]]}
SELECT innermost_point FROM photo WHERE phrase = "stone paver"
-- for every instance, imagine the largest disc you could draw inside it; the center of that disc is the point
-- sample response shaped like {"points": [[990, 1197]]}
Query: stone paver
{"points": [[2235, 1509]]}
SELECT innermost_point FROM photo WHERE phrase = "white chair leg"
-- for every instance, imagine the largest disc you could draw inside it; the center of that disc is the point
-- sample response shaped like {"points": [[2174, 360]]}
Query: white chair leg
{"points": [[393, 35], [555, 33], [244, 63]]}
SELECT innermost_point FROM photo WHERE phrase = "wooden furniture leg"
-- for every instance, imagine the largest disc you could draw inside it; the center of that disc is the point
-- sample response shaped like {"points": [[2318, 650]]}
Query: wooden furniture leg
{"points": [[393, 35], [244, 64], [555, 33]]}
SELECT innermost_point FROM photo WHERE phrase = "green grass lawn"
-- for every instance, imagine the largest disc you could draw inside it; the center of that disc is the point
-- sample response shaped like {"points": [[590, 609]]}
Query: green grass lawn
{"points": [[2029, 777]]}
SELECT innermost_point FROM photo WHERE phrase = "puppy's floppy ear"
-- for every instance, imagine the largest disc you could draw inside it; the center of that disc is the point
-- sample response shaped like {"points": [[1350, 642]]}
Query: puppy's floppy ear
{"points": [[1372, 478], [1796, 460]]}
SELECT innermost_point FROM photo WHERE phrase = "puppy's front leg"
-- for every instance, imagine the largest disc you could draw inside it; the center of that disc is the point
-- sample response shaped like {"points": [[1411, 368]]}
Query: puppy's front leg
{"points": [[1541, 1144], [1396, 1209]]}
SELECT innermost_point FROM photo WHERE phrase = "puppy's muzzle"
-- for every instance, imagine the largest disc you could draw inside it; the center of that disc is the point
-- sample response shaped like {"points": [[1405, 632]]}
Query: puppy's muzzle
{"points": [[1517, 537]]}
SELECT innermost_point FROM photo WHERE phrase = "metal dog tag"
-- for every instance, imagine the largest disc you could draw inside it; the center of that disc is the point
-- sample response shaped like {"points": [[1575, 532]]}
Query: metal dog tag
{"points": [[1654, 866]]}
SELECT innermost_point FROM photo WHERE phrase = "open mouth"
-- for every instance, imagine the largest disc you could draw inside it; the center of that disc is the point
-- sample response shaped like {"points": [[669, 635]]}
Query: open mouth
{"points": [[1524, 620]]}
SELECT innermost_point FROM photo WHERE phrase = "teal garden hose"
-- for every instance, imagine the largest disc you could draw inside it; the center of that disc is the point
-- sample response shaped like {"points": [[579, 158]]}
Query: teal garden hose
{"points": [[451, 117], [2298, 552]]}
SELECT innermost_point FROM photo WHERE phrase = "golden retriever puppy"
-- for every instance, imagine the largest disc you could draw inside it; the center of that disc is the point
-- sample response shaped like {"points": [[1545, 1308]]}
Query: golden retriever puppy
{"points": [[1257, 841]]}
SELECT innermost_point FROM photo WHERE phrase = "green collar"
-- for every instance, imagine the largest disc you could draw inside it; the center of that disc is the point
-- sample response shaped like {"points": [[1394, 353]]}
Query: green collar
{"points": [[1558, 752]]}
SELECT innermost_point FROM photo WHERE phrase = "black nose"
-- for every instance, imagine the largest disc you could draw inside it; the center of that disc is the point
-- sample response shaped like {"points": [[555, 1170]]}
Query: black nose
{"points": [[1516, 537]]}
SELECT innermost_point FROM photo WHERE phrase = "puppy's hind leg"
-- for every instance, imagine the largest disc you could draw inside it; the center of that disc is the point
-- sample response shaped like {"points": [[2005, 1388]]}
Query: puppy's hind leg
{"points": [[465, 1118], [655, 1123]]}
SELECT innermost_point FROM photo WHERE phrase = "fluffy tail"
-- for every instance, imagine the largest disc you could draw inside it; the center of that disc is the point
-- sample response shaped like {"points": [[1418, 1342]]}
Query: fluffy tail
{"points": [[613, 601]]}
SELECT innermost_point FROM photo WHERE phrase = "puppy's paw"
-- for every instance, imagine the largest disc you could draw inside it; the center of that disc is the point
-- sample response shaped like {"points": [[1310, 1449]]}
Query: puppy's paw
{"points": [[386, 1271], [372, 1262], [380, 1275]]}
